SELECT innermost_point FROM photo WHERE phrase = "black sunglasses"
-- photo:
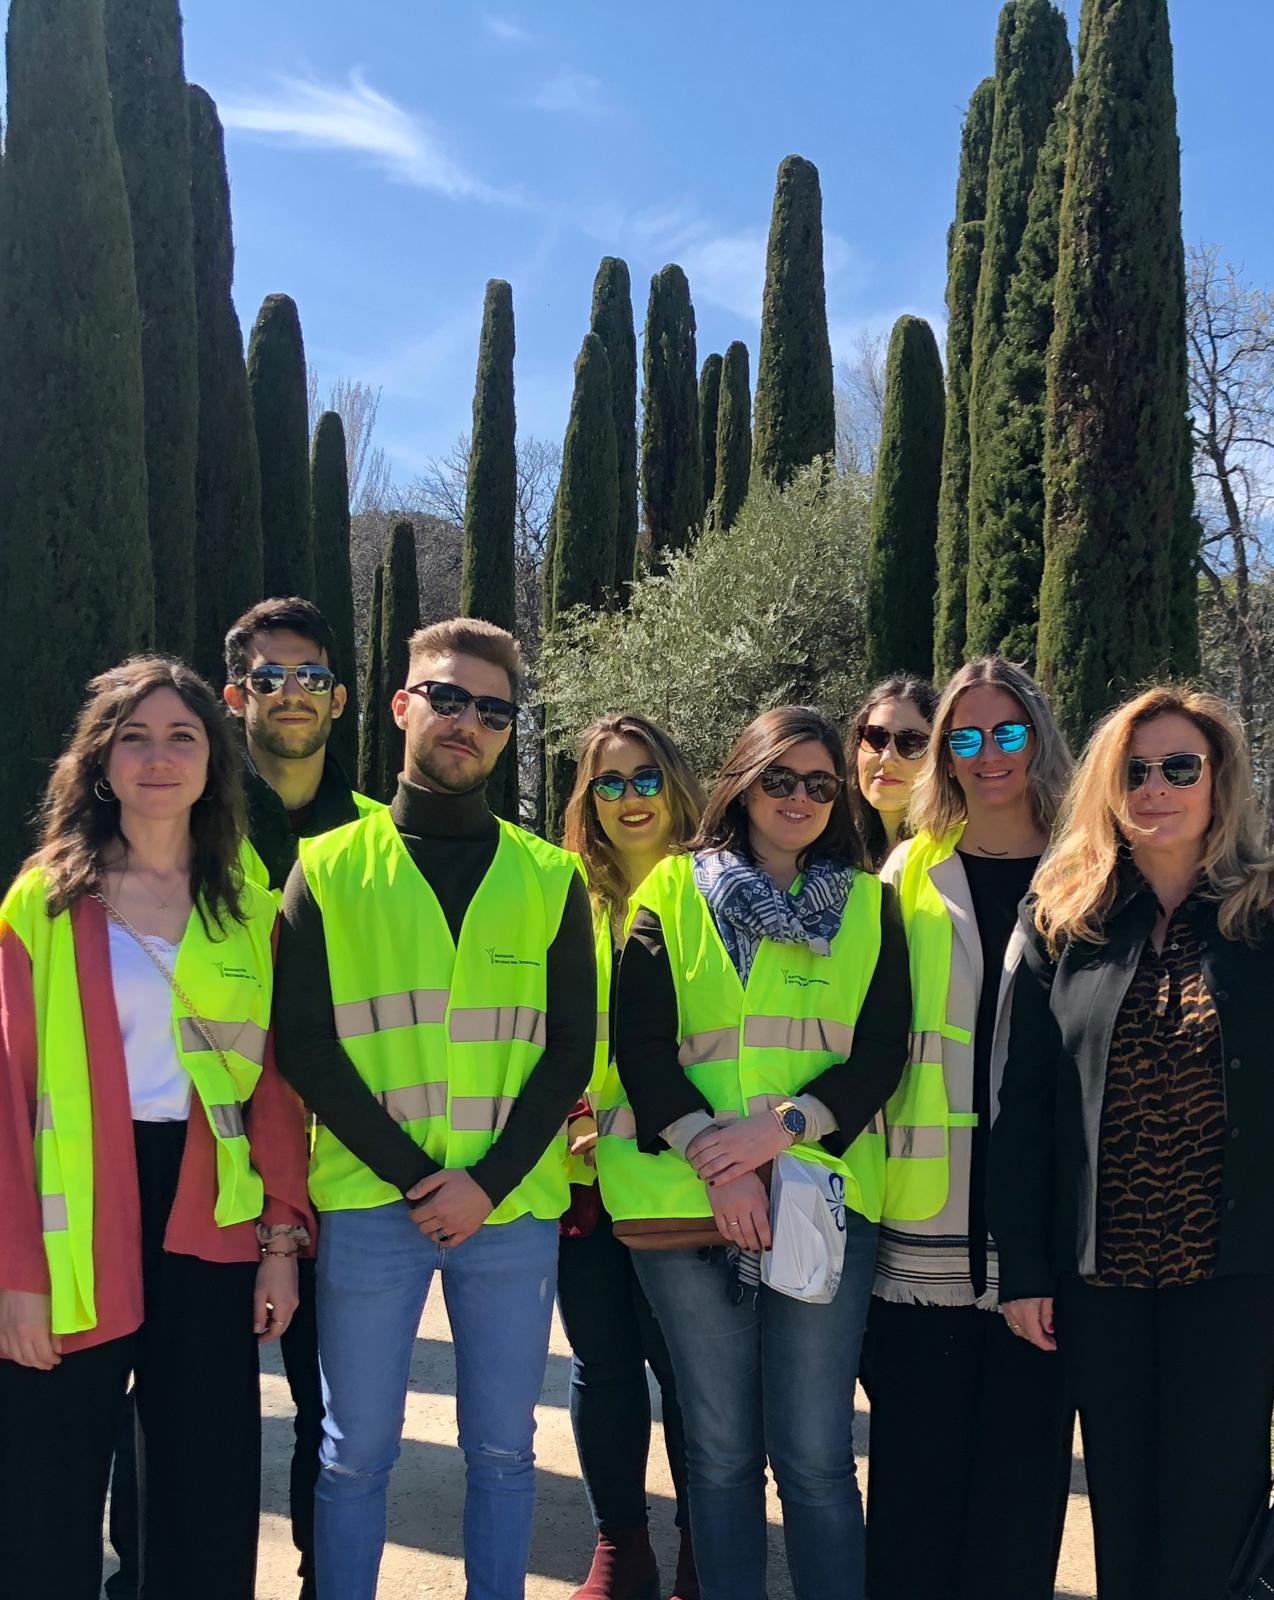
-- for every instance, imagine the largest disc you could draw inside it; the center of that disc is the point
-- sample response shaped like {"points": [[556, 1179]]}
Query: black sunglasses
{"points": [[450, 700], [1182, 770], [646, 782], [910, 744], [270, 678], [781, 782]]}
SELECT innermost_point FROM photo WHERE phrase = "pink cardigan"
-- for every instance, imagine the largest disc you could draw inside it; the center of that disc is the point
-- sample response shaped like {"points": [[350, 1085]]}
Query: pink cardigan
{"points": [[273, 1118]]}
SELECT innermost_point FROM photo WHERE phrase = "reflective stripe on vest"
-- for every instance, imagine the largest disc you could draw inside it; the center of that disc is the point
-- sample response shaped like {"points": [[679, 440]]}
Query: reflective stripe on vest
{"points": [[445, 1037], [918, 1114], [229, 978], [747, 1049]]}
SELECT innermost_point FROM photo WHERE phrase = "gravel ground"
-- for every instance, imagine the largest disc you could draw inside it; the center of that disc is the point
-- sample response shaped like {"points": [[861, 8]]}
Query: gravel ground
{"points": [[423, 1556]]}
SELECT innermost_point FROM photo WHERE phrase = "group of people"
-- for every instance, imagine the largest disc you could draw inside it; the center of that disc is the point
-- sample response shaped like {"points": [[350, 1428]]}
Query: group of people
{"points": [[272, 1054]]}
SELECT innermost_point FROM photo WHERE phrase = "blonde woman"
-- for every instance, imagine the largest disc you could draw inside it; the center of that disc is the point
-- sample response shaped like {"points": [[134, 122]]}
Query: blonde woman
{"points": [[955, 1398], [635, 799], [1132, 1178]]}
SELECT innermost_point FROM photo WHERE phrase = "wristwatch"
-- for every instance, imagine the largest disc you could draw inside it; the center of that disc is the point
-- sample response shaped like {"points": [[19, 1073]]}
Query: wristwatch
{"points": [[792, 1120]]}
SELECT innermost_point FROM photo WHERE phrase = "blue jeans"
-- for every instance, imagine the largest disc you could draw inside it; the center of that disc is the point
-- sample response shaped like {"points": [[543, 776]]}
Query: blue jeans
{"points": [[775, 1378], [374, 1273]]}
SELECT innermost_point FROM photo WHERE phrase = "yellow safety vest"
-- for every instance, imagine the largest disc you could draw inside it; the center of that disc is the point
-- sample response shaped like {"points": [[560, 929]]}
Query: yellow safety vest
{"points": [[445, 1036], [229, 978], [604, 1089], [256, 871], [747, 1048], [918, 1113]]}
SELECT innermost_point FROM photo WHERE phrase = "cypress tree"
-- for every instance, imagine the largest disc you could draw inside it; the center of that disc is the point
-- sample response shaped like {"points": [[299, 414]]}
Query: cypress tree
{"points": [[1116, 539], [587, 514], [490, 505], [374, 693], [709, 406], [612, 321], [228, 561], [671, 467], [587, 511], [734, 436], [795, 408], [276, 376], [152, 128], [1006, 554], [334, 587], [76, 588], [964, 261], [902, 527], [400, 617], [1032, 71]]}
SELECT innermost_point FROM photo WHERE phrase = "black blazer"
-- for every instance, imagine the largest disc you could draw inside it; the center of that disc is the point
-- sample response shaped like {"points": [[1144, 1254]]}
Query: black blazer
{"points": [[1044, 1146]]}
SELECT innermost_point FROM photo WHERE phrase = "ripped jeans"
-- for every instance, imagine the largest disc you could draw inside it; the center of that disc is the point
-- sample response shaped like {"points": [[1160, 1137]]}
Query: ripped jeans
{"points": [[374, 1272]]}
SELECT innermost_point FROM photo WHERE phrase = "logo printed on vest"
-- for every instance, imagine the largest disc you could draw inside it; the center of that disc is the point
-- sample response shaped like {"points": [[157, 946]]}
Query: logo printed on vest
{"points": [[236, 972], [801, 981], [501, 958]]}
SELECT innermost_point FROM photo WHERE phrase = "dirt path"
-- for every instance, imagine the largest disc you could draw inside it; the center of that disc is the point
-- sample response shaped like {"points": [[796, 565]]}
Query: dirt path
{"points": [[422, 1559]]}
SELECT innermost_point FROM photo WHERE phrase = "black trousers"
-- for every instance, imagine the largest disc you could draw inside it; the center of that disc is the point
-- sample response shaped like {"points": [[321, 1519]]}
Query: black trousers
{"points": [[299, 1348], [194, 1363], [1175, 1389], [613, 1334], [970, 1457]]}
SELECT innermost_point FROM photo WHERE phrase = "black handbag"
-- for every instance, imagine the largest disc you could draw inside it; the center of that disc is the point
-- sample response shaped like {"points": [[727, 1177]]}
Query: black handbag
{"points": [[1253, 1575]]}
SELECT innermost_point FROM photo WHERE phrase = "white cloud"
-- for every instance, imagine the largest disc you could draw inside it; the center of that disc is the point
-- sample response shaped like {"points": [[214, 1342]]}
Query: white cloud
{"points": [[728, 271], [505, 29], [576, 93], [357, 117]]}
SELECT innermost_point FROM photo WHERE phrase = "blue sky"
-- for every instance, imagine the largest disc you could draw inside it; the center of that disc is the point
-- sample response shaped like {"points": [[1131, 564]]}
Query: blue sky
{"points": [[388, 157]]}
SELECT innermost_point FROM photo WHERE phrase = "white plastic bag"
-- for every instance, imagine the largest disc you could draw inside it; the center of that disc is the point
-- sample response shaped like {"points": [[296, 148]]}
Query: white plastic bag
{"points": [[807, 1229]]}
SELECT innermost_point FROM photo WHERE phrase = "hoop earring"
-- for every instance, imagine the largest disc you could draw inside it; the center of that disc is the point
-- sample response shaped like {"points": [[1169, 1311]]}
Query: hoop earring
{"points": [[103, 790]]}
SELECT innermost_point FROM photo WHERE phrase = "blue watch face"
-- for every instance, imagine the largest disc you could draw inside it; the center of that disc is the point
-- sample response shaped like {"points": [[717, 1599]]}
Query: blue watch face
{"points": [[794, 1121]]}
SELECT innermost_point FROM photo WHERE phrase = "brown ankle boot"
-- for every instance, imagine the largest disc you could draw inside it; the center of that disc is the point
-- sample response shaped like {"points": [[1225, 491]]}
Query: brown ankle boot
{"points": [[623, 1568], [686, 1584]]}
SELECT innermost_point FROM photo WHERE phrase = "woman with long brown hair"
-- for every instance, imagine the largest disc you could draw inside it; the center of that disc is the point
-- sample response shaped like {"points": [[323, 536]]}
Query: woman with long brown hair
{"points": [[890, 735], [635, 799], [763, 1008], [152, 1163], [1132, 1166], [948, 1384]]}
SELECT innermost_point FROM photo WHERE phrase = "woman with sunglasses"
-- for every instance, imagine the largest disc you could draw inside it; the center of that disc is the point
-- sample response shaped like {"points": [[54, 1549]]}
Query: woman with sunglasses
{"points": [[1132, 1168], [891, 735], [956, 1400], [762, 1007], [152, 1162], [635, 799]]}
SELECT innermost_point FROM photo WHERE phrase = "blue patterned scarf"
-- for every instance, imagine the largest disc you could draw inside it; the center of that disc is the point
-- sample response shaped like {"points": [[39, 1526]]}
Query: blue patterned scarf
{"points": [[748, 906]]}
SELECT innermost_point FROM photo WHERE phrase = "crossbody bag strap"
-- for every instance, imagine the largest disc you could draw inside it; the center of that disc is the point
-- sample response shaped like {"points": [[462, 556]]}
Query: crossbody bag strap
{"points": [[169, 976]]}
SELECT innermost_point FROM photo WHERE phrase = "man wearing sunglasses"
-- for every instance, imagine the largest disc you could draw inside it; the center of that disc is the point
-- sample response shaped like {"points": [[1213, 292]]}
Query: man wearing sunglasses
{"points": [[435, 1006]]}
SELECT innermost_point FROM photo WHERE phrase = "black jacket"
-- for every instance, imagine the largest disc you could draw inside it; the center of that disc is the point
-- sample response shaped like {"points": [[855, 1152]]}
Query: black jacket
{"points": [[1044, 1146], [275, 832]]}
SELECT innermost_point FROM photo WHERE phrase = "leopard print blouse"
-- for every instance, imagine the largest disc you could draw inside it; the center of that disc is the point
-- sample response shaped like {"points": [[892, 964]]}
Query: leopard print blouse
{"points": [[1163, 1124]]}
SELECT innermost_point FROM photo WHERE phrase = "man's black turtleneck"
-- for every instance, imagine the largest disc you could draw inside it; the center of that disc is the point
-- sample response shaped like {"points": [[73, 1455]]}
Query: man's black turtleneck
{"points": [[452, 840]]}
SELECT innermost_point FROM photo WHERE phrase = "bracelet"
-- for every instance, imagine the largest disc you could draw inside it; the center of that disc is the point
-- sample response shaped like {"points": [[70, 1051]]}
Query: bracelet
{"points": [[267, 1233], [284, 1255]]}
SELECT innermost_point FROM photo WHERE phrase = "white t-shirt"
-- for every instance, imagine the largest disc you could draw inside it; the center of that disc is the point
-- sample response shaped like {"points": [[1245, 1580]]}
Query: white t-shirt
{"points": [[158, 1084]]}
